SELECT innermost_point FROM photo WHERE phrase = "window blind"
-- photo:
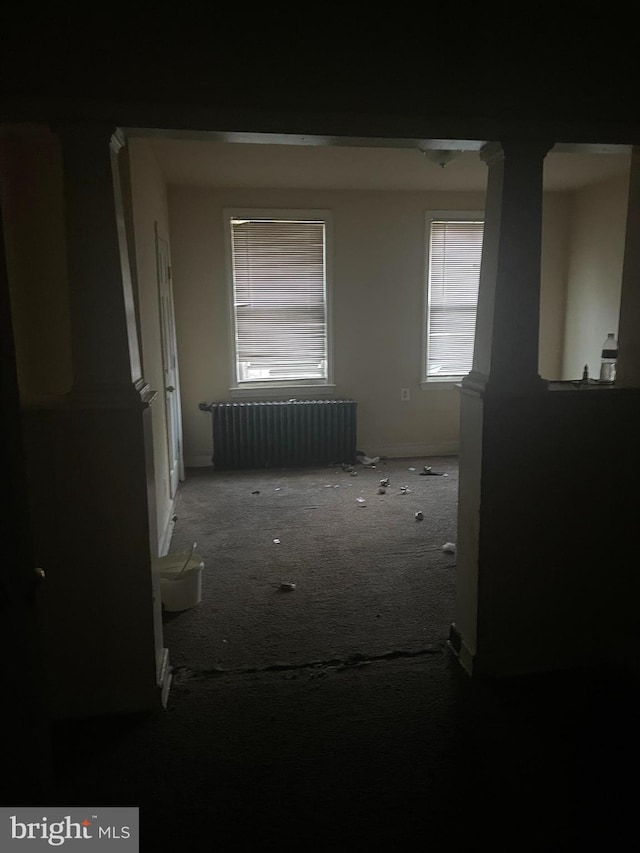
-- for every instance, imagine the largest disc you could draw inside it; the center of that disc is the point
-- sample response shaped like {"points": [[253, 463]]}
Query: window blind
{"points": [[279, 291], [454, 254]]}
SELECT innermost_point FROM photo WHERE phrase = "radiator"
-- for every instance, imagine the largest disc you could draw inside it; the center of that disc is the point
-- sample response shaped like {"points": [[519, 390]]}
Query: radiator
{"points": [[283, 434]]}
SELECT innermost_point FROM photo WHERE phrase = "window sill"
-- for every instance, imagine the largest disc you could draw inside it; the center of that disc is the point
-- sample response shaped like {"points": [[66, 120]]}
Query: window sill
{"points": [[449, 384], [268, 392]]}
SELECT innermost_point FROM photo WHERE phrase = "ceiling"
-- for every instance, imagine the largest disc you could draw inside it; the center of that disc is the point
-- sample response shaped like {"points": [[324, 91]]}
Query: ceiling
{"points": [[240, 164]]}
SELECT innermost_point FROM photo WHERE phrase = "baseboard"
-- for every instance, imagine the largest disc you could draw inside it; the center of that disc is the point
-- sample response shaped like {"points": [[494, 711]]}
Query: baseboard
{"points": [[163, 675], [166, 687], [167, 531], [202, 461], [519, 663], [460, 650], [391, 451], [408, 451]]}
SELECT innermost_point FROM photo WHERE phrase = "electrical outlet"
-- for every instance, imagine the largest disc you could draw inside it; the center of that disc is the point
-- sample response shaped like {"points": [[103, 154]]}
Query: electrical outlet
{"points": [[404, 393]]}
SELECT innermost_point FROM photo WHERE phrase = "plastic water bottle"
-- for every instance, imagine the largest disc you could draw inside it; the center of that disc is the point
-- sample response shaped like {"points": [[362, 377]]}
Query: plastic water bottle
{"points": [[609, 359]]}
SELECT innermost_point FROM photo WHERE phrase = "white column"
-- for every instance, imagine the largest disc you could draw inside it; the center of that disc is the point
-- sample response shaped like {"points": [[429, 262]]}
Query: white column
{"points": [[97, 471], [507, 330], [628, 368], [105, 349], [505, 367]]}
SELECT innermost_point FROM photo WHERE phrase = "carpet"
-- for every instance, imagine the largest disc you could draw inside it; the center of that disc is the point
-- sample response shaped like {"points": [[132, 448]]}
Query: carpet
{"points": [[370, 580], [399, 752]]}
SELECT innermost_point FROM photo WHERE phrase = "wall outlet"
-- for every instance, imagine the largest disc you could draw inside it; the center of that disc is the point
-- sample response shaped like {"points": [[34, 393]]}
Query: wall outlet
{"points": [[404, 394]]}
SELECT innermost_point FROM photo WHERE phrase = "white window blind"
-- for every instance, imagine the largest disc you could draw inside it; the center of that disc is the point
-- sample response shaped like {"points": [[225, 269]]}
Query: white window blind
{"points": [[454, 253], [279, 293]]}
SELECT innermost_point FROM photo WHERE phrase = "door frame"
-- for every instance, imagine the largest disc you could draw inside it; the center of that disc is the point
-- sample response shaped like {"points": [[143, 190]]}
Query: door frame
{"points": [[176, 396]]}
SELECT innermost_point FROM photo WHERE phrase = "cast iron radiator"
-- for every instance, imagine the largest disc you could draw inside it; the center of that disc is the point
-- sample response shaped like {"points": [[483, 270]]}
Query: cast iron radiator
{"points": [[289, 434]]}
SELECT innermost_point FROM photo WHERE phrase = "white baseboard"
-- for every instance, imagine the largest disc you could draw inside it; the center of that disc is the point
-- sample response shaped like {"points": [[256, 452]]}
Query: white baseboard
{"points": [[466, 658], [402, 451], [167, 530], [391, 451], [202, 461], [163, 675], [459, 648], [511, 663], [166, 687]]}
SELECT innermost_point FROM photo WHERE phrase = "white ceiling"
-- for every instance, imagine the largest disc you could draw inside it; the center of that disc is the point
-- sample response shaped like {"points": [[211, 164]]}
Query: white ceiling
{"points": [[233, 164]]}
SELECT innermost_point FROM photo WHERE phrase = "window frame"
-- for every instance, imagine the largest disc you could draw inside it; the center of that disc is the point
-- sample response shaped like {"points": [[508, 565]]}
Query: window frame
{"points": [[430, 383], [266, 388]]}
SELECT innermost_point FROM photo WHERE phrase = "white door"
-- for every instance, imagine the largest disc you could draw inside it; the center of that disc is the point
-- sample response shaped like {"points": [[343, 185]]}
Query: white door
{"points": [[170, 365]]}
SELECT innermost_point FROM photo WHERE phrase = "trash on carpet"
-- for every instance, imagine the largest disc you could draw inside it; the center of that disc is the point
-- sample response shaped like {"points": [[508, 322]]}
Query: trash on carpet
{"points": [[419, 516], [384, 481], [257, 492], [276, 541], [361, 501], [412, 469], [428, 472], [368, 461], [287, 587], [404, 490], [449, 548]]}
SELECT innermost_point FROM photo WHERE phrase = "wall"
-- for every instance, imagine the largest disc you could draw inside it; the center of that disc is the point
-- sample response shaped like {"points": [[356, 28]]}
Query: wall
{"points": [[377, 308], [550, 593], [596, 249], [556, 224], [33, 214], [149, 200]]}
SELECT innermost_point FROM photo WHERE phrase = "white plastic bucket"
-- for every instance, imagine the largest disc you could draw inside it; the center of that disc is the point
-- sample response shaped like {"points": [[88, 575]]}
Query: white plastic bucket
{"points": [[180, 579]]}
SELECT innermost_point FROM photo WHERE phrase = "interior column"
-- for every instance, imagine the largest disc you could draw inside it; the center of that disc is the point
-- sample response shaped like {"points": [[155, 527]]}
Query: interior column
{"points": [[508, 319], [96, 452], [505, 368]]}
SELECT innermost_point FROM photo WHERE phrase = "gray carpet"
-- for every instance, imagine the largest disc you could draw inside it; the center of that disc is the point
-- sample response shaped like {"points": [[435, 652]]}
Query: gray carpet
{"points": [[370, 579], [397, 753]]}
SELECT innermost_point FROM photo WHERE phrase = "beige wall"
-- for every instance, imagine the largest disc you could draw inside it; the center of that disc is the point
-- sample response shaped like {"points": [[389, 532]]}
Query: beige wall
{"points": [[377, 308], [556, 224], [596, 249], [32, 203], [150, 206]]}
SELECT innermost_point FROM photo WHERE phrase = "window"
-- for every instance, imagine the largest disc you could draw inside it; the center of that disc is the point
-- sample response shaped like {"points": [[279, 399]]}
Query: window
{"points": [[452, 271], [279, 297]]}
